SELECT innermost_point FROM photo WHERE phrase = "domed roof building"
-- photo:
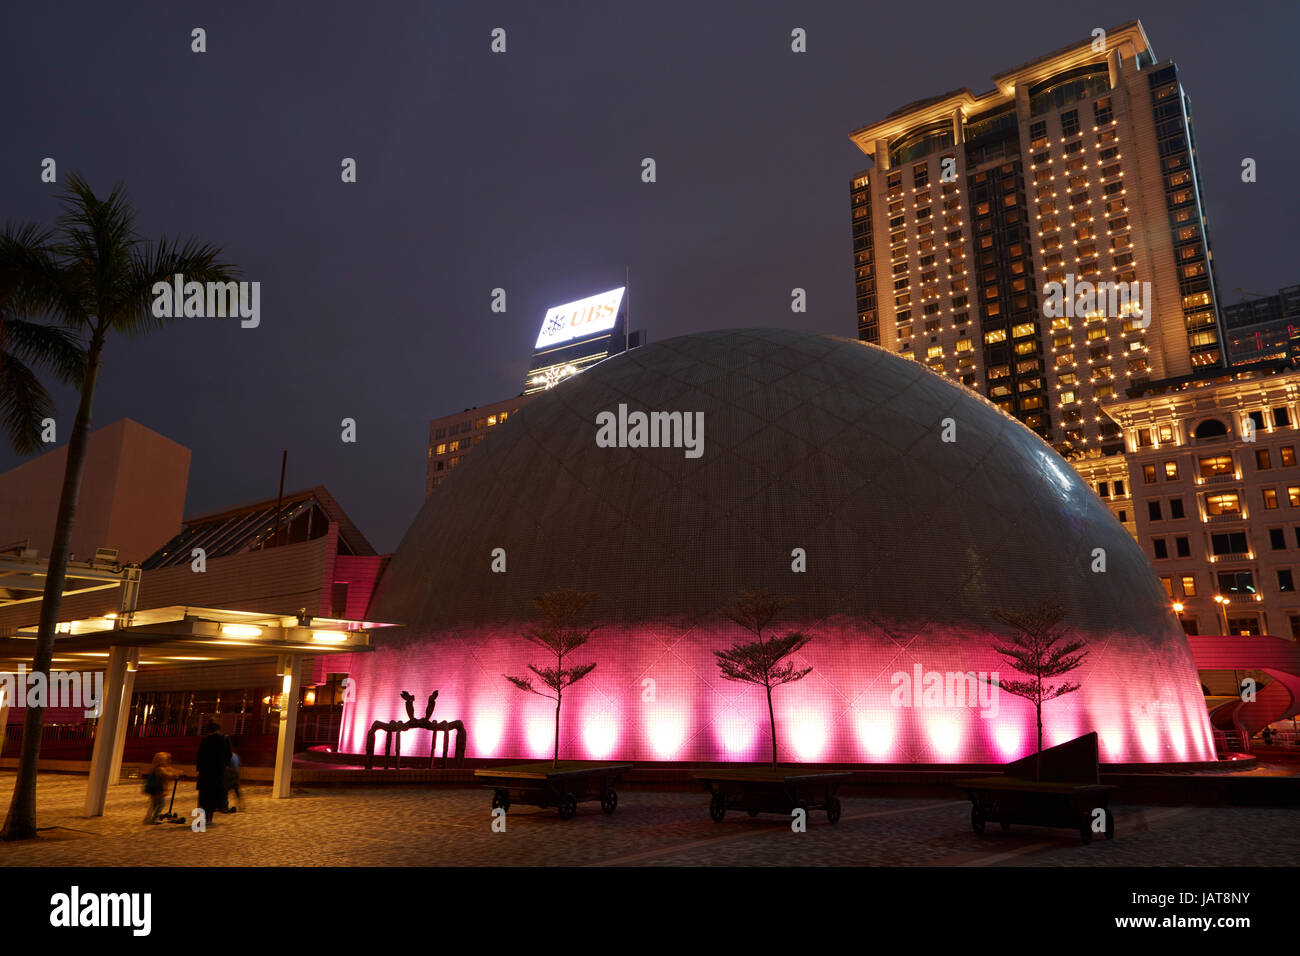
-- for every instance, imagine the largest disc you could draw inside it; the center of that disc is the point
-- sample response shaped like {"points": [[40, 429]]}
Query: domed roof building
{"points": [[894, 510]]}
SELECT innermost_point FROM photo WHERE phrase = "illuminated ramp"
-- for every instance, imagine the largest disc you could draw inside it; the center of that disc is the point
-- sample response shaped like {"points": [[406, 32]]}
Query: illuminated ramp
{"points": [[1275, 656]]}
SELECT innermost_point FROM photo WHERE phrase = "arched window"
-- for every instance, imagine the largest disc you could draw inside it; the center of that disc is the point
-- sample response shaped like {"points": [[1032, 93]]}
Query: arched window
{"points": [[1211, 428]]}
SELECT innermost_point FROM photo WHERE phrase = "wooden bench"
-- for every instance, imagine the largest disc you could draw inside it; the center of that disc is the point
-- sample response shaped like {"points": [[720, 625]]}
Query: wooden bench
{"points": [[562, 786], [763, 790], [1066, 794]]}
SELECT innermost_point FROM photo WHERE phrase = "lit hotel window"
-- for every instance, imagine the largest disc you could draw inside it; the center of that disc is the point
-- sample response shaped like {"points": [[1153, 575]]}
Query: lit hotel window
{"points": [[1227, 503], [1189, 586], [1270, 498], [1215, 465], [1293, 496], [1171, 471]]}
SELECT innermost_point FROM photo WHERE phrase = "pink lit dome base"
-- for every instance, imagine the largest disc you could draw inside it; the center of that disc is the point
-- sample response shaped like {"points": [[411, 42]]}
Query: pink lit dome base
{"points": [[656, 695], [812, 442]]}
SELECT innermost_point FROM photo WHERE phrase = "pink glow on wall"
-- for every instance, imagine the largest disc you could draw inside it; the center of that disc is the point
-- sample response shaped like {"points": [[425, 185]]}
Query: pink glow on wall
{"points": [[485, 733], [737, 735], [667, 731], [698, 717], [1061, 725], [1009, 738], [1177, 737], [1148, 737], [541, 736], [807, 734], [875, 732], [600, 736], [944, 730], [1111, 744]]}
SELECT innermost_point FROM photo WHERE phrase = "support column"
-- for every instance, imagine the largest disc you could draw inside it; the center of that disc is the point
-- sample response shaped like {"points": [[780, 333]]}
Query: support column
{"points": [[124, 716], [292, 668], [101, 757], [1113, 66], [4, 716]]}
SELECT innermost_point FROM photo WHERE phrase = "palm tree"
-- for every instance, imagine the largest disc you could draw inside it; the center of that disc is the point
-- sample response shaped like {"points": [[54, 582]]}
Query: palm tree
{"points": [[24, 401], [97, 277]]}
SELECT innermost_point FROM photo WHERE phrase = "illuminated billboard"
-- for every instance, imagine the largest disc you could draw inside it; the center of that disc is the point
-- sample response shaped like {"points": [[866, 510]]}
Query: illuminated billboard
{"points": [[575, 320]]}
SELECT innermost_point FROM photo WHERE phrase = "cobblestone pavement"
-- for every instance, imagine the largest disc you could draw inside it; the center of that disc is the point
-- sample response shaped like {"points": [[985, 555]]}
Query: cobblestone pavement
{"points": [[425, 826]]}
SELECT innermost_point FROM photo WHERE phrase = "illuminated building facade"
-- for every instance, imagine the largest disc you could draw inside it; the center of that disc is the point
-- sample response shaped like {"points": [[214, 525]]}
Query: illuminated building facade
{"points": [[452, 436], [1212, 487], [1079, 165], [823, 476], [1264, 329]]}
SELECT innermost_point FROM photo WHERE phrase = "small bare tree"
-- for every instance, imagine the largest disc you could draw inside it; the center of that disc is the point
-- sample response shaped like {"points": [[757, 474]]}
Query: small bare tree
{"points": [[561, 628], [761, 661], [1033, 650]]}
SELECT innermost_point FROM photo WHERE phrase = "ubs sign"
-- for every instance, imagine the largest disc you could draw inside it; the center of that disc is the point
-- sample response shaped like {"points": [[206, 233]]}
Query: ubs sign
{"points": [[576, 320]]}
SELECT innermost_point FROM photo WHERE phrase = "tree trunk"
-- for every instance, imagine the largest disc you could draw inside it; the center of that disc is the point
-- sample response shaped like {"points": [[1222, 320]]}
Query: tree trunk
{"points": [[20, 823], [555, 760], [771, 718], [1038, 756]]}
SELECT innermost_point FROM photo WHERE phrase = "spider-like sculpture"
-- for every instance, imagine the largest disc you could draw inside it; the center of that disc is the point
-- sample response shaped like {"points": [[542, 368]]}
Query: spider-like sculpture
{"points": [[394, 729]]}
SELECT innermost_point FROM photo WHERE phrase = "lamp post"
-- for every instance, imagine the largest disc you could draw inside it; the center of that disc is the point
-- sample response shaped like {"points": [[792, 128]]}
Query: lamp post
{"points": [[1223, 603]]}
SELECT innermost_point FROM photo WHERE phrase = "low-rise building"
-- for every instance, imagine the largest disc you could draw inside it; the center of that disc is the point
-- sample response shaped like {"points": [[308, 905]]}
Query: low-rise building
{"points": [[1211, 490]]}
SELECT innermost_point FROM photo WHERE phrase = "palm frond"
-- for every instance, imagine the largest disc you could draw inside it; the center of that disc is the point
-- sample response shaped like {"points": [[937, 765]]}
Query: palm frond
{"points": [[155, 262], [24, 404], [48, 346]]}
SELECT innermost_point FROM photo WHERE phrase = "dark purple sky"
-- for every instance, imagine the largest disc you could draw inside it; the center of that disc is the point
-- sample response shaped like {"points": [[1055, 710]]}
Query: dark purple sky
{"points": [[522, 171]]}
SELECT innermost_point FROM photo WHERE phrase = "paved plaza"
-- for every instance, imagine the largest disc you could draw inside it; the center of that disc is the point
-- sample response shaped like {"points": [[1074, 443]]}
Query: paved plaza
{"points": [[434, 826]]}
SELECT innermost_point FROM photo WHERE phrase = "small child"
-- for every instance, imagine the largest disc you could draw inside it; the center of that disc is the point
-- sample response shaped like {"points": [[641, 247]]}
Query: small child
{"points": [[155, 784], [232, 783]]}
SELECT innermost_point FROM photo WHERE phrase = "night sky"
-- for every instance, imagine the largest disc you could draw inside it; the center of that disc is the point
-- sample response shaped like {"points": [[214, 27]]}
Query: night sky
{"points": [[522, 171]]}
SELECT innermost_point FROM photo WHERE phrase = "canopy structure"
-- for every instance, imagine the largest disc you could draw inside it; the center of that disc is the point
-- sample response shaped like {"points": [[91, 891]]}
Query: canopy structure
{"points": [[120, 643]]}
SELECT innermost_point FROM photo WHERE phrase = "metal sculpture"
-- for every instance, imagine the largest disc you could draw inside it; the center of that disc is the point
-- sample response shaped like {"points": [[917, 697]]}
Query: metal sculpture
{"points": [[394, 729]]}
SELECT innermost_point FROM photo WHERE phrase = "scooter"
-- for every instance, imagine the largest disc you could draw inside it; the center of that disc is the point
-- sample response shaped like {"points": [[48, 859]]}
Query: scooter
{"points": [[169, 816]]}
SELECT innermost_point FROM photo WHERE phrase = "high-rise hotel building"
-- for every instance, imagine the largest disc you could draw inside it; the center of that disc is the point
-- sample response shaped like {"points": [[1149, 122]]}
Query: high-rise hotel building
{"points": [[1080, 165]]}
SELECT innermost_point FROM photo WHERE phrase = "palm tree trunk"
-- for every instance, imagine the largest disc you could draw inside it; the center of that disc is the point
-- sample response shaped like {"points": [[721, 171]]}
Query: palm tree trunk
{"points": [[771, 719], [20, 823]]}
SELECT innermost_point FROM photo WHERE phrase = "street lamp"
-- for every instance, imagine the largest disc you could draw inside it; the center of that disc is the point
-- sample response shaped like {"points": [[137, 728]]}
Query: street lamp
{"points": [[1178, 607], [1223, 603]]}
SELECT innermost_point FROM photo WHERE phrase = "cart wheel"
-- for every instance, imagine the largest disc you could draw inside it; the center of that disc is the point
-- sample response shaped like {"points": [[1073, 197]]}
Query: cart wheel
{"points": [[833, 810], [977, 820], [568, 806], [717, 808], [1005, 826], [609, 801], [501, 799]]}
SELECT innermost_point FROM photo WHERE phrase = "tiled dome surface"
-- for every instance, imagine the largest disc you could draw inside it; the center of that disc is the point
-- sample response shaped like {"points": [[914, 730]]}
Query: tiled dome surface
{"points": [[811, 442]]}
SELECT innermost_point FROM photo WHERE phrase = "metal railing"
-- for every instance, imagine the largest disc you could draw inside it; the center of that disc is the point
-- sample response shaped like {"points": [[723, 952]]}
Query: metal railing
{"points": [[1231, 742]]}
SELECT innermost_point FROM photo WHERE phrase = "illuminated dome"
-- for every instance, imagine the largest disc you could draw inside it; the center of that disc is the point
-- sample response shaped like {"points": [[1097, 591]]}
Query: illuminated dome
{"points": [[810, 442]]}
